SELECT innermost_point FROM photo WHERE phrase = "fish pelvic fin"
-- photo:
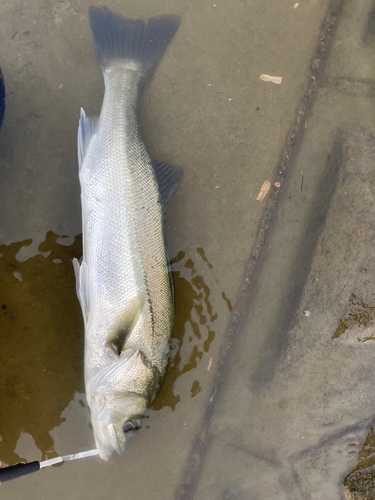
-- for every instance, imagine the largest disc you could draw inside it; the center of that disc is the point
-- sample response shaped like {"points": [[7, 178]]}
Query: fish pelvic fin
{"points": [[82, 288], [141, 42], [86, 130]]}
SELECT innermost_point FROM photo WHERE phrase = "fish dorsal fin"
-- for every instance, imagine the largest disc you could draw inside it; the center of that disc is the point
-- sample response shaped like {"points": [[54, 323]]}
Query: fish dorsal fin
{"points": [[86, 130], [125, 324], [167, 176], [82, 288]]}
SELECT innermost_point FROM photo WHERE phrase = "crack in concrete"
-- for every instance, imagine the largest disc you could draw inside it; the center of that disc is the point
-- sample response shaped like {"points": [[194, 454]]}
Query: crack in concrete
{"points": [[192, 472]]}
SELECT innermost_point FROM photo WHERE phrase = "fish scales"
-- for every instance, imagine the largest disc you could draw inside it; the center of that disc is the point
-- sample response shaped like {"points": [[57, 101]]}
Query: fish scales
{"points": [[123, 283], [123, 217]]}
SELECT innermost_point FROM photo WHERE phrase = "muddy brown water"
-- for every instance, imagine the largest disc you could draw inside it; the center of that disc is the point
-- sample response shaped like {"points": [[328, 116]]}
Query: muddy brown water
{"points": [[42, 337]]}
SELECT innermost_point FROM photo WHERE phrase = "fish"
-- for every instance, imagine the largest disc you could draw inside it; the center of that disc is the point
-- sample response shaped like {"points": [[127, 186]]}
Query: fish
{"points": [[2, 98], [124, 282]]}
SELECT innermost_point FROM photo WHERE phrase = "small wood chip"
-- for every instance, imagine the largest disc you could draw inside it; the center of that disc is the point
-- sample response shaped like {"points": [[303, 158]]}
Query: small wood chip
{"points": [[263, 191], [277, 184], [273, 79], [209, 364], [316, 63], [298, 119]]}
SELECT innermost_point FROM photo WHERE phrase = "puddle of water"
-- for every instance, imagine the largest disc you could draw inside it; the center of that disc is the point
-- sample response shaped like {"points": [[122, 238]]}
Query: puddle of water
{"points": [[193, 332], [41, 343], [366, 456], [227, 301], [357, 314], [42, 339], [360, 483], [203, 256]]}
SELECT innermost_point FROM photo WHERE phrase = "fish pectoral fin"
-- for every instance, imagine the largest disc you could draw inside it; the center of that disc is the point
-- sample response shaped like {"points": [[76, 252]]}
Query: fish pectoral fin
{"points": [[86, 130], [167, 176], [82, 288], [125, 324]]}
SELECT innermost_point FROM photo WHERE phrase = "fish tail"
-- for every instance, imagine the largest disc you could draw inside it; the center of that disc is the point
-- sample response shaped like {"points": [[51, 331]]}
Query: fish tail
{"points": [[139, 41]]}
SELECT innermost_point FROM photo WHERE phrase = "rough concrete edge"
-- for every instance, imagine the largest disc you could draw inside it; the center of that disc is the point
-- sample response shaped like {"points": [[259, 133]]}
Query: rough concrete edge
{"points": [[191, 474], [303, 256]]}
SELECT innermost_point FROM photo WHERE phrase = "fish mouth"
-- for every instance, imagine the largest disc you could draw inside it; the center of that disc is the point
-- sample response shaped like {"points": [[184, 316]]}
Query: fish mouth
{"points": [[107, 456], [114, 412], [117, 442], [106, 436]]}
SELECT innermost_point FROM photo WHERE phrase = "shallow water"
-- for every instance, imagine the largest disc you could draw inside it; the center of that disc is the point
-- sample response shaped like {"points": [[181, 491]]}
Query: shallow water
{"points": [[42, 341], [42, 337], [269, 392]]}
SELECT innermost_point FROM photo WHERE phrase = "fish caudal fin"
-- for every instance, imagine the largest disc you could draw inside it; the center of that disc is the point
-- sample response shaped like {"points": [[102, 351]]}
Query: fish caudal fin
{"points": [[142, 42]]}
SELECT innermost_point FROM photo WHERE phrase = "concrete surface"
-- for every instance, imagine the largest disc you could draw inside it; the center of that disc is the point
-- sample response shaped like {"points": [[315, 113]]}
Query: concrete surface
{"points": [[286, 412]]}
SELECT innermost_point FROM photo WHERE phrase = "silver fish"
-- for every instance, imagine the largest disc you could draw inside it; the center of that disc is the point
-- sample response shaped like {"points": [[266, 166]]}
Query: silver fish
{"points": [[123, 283]]}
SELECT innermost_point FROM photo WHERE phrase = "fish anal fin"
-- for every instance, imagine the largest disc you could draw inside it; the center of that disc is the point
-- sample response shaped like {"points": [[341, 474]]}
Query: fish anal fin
{"points": [[86, 130]]}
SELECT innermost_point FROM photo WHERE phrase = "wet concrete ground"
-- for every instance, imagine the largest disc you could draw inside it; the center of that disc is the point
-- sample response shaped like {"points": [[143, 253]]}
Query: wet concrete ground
{"points": [[270, 390]]}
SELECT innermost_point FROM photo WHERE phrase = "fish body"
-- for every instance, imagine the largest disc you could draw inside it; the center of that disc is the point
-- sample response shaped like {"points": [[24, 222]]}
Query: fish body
{"points": [[123, 282]]}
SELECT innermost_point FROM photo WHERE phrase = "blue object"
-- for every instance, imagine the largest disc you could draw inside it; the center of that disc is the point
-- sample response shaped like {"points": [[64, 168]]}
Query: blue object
{"points": [[18, 470]]}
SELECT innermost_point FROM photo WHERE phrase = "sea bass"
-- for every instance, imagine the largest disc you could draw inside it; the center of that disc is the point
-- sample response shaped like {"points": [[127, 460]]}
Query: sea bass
{"points": [[123, 283]]}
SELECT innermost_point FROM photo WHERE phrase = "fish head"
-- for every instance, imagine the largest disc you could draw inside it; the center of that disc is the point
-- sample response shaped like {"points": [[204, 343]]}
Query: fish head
{"points": [[118, 396], [117, 421]]}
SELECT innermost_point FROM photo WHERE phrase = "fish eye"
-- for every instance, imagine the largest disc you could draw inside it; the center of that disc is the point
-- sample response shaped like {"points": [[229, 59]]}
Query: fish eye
{"points": [[132, 425]]}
